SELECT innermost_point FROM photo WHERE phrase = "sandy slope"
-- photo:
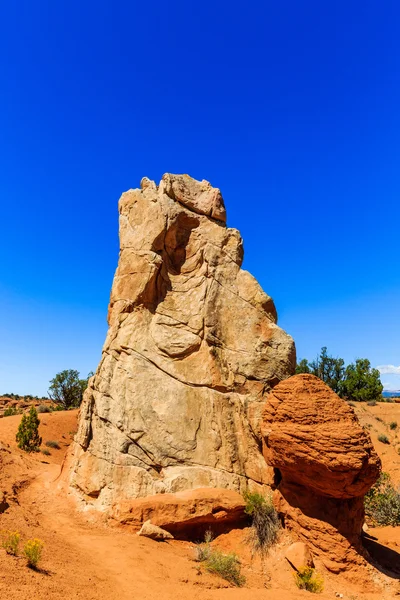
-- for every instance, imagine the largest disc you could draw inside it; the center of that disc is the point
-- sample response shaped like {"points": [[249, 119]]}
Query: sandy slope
{"points": [[88, 560]]}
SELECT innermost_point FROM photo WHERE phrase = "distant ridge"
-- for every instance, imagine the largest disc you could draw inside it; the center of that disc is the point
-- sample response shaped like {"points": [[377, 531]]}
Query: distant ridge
{"points": [[394, 394]]}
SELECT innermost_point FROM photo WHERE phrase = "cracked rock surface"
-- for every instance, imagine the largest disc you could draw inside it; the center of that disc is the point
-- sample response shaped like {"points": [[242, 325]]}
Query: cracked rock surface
{"points": [[192, 349]]}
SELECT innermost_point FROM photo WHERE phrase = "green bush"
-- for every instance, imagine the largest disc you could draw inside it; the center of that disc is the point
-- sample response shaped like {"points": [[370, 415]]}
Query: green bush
{"points": [[382, 502], [46, 452], [226, 566], [11, 411], [43, 408], [393, 425], [383, 438], [264, 521], [307, 579], [53, 444], [28, 432]]}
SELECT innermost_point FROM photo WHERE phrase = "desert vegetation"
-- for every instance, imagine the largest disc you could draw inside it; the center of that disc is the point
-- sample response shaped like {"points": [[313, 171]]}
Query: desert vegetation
{"points": [[28, 437], [264, 522], [67, 388], [226, 566], [307, 579], [357, 381], [32, 549], [382, 502]]}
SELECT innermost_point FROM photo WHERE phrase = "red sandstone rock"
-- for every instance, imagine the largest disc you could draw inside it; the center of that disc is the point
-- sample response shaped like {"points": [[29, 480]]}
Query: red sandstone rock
{"points": [[298, 555], [185, 514], [324, 463]]}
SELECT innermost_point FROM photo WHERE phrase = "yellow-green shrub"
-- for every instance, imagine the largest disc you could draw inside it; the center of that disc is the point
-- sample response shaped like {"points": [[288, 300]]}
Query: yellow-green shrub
{"points": [[307, 579], [10, 542], [33, 551]]}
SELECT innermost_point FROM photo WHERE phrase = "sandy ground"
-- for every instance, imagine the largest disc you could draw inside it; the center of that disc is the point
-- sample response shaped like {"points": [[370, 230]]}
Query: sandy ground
{"points": [[86, 559]]}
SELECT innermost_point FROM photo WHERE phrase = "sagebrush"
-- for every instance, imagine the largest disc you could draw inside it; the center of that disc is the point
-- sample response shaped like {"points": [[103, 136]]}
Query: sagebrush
{"points": [[382, 502]]}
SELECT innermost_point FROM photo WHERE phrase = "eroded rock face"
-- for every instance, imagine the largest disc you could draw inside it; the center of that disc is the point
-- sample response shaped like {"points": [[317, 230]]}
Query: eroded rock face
{"points": [[188, 514], [191, 350], [324, 464]]}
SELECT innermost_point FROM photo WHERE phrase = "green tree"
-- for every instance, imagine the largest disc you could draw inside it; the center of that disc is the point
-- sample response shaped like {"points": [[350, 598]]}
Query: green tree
{"points": [[28, 437], [67, 389], [361, 381], [331, 370], [303, 366]]}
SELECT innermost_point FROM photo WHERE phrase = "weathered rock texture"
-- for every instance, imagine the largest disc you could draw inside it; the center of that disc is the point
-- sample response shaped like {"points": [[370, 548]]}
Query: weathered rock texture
{"points": [[188, 514], [324, 464], [191, 350]]}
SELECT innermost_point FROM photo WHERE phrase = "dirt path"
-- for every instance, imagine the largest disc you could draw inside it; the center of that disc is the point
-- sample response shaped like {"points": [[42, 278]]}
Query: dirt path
{"points": [[88, 560]]}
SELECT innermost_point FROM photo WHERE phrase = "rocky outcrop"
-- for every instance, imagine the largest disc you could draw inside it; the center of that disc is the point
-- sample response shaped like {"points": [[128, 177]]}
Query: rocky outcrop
{"points": [[191, 351], [324, 464], [188, 514]]}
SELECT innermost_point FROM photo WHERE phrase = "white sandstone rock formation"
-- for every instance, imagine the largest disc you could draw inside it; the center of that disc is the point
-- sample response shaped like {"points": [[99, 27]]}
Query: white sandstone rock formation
{"points": [[191, 351]]}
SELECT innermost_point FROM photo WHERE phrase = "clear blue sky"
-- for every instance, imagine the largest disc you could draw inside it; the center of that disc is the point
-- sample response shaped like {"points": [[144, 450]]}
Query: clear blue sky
{"points": [[291, 108]]}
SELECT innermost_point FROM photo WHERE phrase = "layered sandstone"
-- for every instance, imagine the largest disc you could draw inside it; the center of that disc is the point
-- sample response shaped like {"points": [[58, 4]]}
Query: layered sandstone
{"points": [[324, 464], [192, 349]]}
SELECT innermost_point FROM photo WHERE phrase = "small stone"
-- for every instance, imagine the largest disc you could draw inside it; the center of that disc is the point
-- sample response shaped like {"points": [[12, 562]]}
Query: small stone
{"points": [[154, 533], [298, 555]]}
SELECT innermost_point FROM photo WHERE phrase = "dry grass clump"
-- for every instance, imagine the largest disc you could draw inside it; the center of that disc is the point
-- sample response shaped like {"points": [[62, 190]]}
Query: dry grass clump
{"points": [[383, 438], [53, 444], [226, 566], [264, 522], [307, 579]]}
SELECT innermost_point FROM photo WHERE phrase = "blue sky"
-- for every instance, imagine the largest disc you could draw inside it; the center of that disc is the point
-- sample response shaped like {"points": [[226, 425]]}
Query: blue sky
{"points": [[291, 108]]}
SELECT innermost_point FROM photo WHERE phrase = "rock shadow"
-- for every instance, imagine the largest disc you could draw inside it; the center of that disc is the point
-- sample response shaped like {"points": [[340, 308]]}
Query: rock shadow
{"points": [[381, 557]]}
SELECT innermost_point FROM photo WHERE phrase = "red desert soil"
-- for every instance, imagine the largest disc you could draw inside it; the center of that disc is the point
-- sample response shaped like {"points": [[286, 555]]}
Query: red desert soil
{"points": [[86, 559]]}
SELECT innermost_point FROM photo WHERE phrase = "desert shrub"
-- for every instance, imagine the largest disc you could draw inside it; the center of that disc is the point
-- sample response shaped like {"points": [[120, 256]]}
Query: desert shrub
{"points": [[382, 502], [33, 552], [28, 432], [393, 425], [226, 566], [46, 452], [203, 551], [307, 579], [265, 521], [43, 408], [11, 411], [10, 542], [371, 403], [383, 438], [53, 444]]}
